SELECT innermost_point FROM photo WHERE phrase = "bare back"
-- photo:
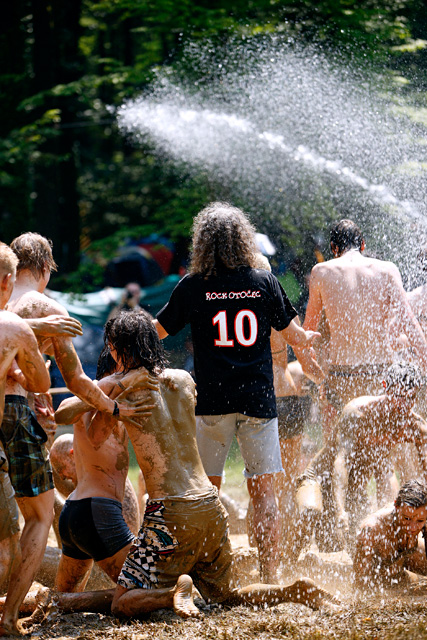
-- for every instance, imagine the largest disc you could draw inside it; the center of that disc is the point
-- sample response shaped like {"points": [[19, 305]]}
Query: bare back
{"points": [[102, 470], [32, 304], [165, 444], [359, 297]]}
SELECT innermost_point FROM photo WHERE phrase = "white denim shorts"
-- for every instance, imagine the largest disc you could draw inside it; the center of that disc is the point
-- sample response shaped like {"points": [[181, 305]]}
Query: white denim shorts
{"points": [[258, 440]]}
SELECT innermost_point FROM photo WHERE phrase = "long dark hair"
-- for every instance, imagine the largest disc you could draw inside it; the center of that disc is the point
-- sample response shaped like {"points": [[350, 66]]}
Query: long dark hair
{"points": [[136, 341]]}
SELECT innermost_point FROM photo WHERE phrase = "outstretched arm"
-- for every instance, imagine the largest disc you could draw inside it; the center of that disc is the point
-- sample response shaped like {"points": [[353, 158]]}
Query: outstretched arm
{"points": [[55, 325], [70, 410], [160, 330]]}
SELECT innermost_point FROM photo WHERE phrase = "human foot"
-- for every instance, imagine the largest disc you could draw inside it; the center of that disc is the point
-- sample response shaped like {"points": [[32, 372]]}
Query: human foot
{"points": [[183, 604]]}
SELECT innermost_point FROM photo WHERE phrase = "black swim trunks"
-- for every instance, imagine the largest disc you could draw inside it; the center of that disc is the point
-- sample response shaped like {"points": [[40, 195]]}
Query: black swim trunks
{"points": [[292, 414], [93, 528], [24, 441]]}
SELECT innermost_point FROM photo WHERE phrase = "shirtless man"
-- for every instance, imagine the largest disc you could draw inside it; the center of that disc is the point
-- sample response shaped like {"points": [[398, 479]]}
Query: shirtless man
{"points": [[92, 525], [185, 526], [17, 345], [390, 551], [360, 296], [29, 466]]}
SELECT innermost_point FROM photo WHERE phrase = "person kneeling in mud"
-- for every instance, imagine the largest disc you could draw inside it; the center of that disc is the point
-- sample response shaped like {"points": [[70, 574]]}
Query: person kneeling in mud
{"points": [[184, 535], [368, 430], [390, 550], [95, 523]]}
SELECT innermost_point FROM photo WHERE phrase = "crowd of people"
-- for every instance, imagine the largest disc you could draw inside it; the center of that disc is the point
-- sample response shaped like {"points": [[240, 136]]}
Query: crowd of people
{"points": [[361, 352]]}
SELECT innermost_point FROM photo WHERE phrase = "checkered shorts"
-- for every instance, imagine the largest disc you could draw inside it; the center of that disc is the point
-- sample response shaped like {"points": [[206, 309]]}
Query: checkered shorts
{"points": [[24, 440]]}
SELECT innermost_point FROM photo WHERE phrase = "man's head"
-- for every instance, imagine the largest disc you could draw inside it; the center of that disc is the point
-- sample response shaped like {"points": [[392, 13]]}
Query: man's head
{"points": [[134, 342], [34, 253], [346, 235], [411, 506], [8, 266], [222, 237], [402, 383], [62, 457]]}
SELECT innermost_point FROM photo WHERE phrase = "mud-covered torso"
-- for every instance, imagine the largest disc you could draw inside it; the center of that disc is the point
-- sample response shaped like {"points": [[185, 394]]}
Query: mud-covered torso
{"points": [[165, 444]]}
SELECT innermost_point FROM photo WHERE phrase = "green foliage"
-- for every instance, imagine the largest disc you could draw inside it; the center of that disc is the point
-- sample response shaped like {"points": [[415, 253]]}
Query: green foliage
{"points": [[67, 172]]}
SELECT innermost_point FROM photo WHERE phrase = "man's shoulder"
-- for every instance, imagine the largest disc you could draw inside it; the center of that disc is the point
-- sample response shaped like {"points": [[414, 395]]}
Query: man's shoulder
{"points": [[12, 323], [33, 304], [176, 376], [376, 522]]}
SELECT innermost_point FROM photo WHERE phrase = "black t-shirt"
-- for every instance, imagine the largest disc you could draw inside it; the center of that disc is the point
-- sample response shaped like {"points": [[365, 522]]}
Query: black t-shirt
{"points": [[231, 315]]}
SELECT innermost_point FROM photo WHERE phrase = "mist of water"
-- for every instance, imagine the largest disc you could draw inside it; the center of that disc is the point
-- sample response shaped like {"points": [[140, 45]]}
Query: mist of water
{"points": [[297, 137]]}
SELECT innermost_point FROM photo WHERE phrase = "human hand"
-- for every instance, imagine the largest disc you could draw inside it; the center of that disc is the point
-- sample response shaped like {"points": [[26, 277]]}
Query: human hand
{"points": [[64, 325], [141, 408], [59, 325], [136, 380]]}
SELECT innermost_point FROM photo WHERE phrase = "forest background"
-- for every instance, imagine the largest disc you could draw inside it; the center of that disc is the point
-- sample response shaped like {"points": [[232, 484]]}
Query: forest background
{"points": [[67, 172]]}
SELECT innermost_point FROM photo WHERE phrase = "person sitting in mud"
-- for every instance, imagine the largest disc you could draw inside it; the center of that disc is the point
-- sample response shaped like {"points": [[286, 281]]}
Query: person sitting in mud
{"points": [[93, 525], [368, 429], [390, 552], [185, 529]]}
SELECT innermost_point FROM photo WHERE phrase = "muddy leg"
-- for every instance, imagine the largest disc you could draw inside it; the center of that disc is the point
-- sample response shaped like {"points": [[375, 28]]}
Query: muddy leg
{"points": [[132, 602], [302, 591]]}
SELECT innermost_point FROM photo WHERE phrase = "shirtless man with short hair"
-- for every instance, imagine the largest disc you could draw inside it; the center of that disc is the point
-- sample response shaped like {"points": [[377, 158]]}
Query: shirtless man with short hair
{"points": [[390, 551], [18, 346], [29, 466], [360, 297], [185, 528]]}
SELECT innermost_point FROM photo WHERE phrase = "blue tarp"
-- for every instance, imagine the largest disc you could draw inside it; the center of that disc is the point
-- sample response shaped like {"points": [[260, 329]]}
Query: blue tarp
{"points": [[94, 308]]}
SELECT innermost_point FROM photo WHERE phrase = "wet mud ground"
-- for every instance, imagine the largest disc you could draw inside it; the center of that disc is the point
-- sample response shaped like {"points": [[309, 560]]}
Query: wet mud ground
{"points": [[385, 617], [390, 619]]}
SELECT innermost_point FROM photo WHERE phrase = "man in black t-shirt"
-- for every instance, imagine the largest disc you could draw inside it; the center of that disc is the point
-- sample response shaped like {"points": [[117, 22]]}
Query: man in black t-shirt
{"points": [[231, 307]]}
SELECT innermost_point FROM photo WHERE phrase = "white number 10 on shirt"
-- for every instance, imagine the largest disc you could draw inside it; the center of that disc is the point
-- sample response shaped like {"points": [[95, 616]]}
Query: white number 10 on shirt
{"points": [[221, 320]]}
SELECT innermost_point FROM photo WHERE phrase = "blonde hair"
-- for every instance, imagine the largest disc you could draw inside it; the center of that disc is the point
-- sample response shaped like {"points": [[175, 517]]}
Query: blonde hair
{"points": [[8, 260], [262, 262], [222, 236], [34, 253]]}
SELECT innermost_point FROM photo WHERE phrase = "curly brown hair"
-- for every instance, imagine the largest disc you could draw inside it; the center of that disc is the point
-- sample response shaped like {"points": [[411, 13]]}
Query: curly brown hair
{"points": [[34, 253], [222, 236]]}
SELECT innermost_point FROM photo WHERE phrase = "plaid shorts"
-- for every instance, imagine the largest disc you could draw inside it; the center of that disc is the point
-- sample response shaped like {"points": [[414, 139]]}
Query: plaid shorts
{"points": [[24, 440]]}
